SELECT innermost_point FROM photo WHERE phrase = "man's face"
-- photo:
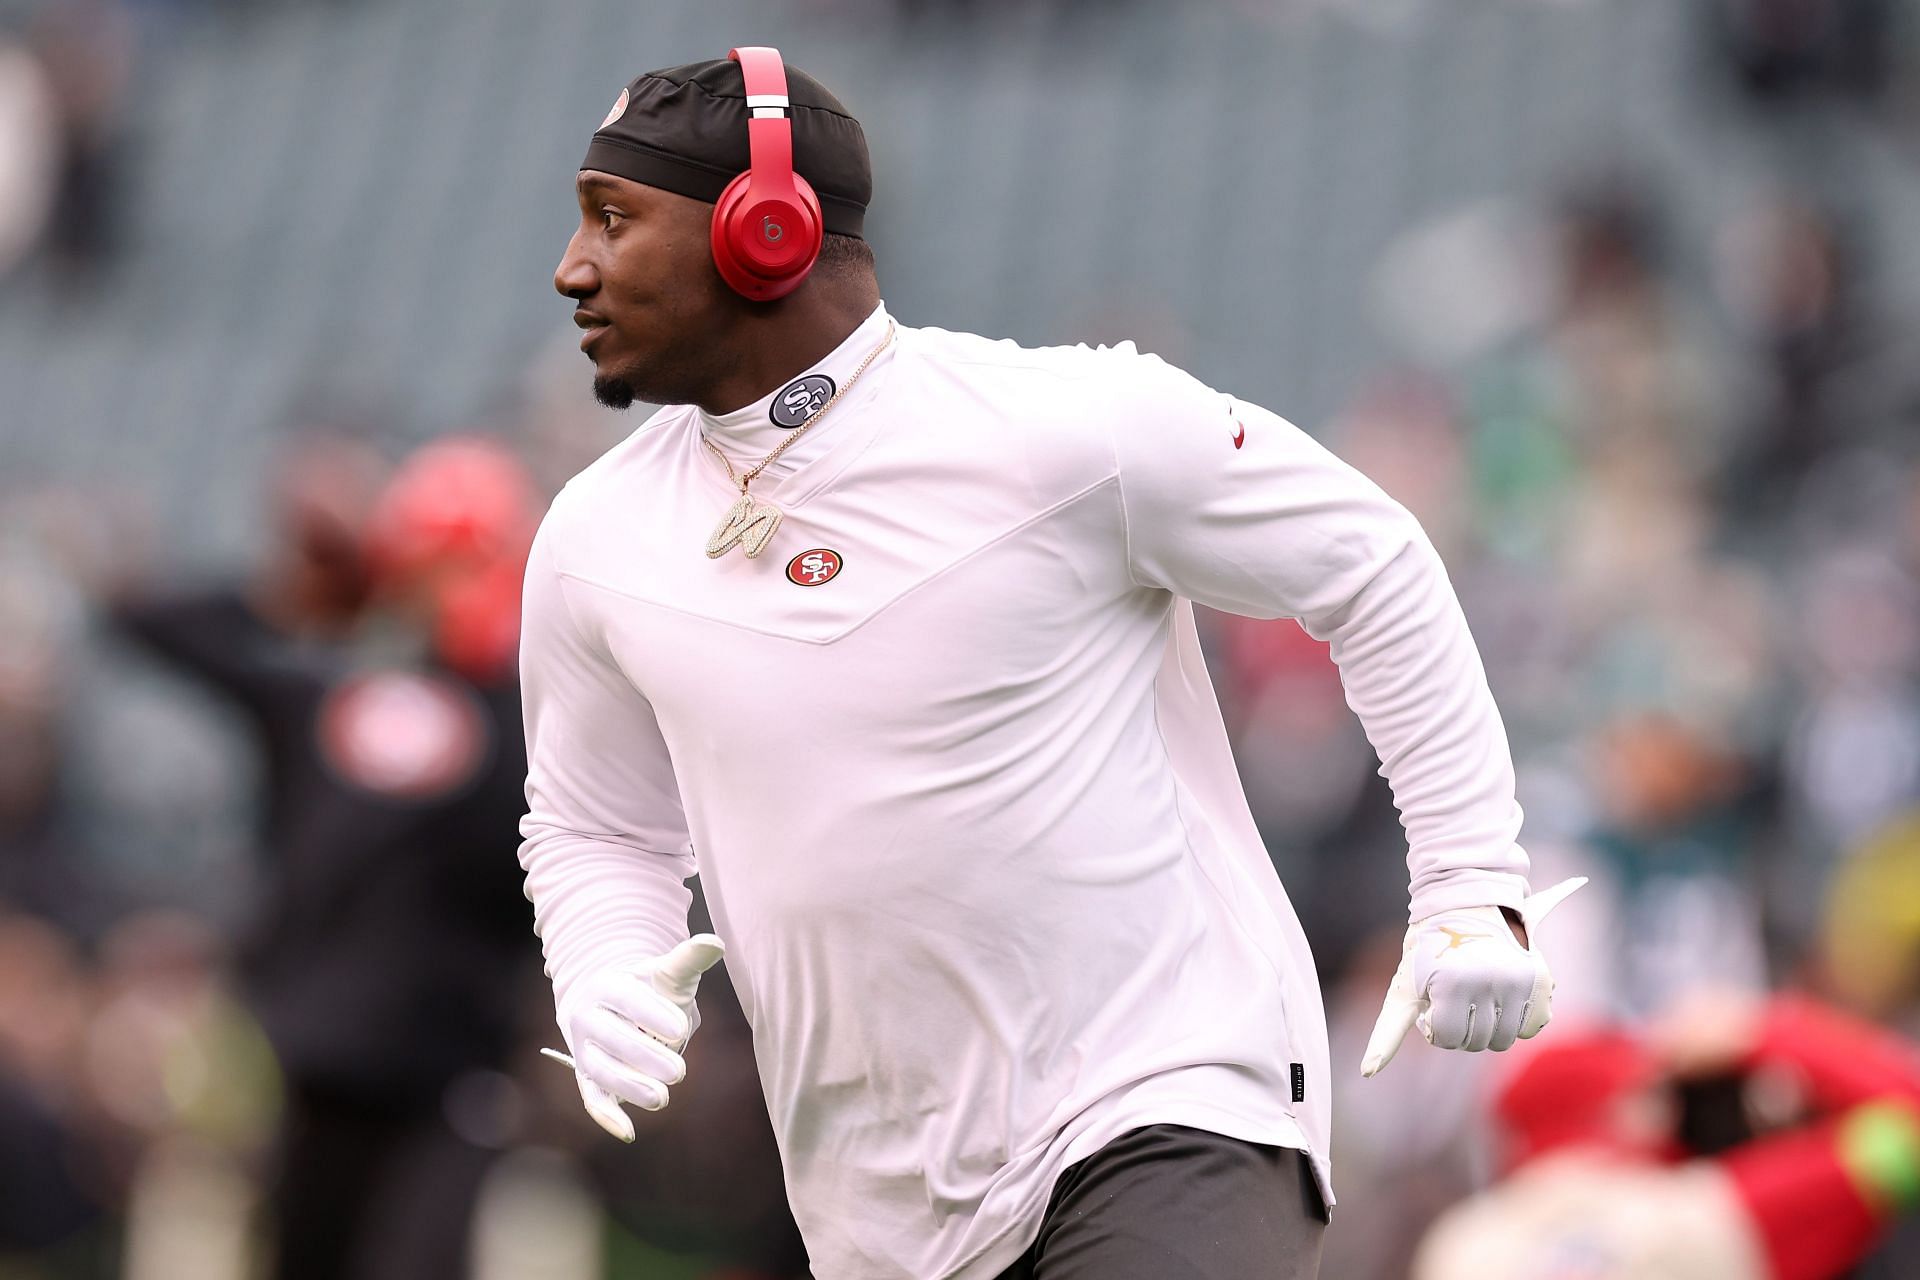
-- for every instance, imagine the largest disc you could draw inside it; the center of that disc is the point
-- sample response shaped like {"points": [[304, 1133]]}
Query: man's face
{"points": [[656, 313]]}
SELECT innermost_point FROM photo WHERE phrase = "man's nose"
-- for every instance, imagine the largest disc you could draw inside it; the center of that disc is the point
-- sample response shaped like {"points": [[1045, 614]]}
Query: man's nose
{"points": [[575, 277]]}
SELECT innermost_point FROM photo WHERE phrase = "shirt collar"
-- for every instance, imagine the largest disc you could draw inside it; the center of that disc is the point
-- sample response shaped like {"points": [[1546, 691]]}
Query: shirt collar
{"points": [[751, 433]]}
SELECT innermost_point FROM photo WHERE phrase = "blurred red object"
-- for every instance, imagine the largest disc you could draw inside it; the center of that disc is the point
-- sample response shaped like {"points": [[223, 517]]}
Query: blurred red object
{"points": [[450, 536], [1572, 1090], [456, 503]]}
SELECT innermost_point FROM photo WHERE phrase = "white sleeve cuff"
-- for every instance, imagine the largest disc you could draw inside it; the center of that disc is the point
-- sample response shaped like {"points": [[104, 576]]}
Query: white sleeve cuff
{"points": [[1472, 888]]}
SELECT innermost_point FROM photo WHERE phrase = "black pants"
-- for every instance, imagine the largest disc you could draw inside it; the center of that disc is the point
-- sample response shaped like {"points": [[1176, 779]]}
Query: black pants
{"points": [[1168, 1203], [366, 1193]]}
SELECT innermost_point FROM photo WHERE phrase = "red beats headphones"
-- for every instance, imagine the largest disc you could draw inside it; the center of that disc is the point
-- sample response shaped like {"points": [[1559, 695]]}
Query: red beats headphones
{"points": [[766, 224]]}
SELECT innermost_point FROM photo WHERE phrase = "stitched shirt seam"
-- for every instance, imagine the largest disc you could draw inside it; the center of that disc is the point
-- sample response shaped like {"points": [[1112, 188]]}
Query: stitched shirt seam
{"points": [[984, 547]]}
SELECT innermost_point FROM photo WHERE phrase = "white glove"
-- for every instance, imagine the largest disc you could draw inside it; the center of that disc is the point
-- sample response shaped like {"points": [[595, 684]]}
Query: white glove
{"points": [[626, 1028], [1466, 981]]}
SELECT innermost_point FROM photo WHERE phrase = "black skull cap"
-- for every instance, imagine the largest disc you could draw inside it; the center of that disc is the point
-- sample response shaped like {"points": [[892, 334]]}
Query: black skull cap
{"points": [[684, 129]]}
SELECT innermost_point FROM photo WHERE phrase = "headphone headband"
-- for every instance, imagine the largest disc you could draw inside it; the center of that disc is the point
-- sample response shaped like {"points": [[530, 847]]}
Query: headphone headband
{"points": [[769, 111]]}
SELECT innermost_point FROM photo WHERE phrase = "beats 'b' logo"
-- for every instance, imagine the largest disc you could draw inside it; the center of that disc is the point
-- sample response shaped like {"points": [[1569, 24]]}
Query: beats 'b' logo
{"points": [[811, 568], [771, 230]]}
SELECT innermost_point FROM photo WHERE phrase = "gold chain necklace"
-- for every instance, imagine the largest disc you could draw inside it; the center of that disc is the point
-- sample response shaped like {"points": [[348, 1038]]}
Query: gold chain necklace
{"points": [[750, 522]]}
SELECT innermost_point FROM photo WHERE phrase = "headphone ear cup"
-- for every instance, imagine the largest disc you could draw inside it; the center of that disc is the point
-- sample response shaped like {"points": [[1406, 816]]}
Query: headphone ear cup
{"points": [[764, 248]]}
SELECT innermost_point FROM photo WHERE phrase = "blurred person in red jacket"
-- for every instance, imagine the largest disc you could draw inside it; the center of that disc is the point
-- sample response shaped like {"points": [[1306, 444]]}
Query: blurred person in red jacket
{"points": [[1603, 1181], [393, 934]]}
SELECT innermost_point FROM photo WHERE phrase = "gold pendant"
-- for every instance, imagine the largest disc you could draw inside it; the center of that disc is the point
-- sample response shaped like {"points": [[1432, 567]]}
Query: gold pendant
{"points": [[747, 522]]}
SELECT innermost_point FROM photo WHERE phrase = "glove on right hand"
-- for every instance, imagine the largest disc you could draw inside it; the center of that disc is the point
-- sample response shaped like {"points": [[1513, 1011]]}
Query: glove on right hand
{"points": [[1466, 981], [626, 1028]]}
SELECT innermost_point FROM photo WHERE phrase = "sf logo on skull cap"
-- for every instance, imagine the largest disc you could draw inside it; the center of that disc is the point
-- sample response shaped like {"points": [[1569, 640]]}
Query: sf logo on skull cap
{"points": [[800, 400], [812, 568], [619, 109]]}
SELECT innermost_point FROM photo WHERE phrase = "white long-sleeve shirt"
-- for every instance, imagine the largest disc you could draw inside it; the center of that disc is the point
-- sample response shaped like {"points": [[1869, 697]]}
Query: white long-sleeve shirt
{"points": [[964, 810]]}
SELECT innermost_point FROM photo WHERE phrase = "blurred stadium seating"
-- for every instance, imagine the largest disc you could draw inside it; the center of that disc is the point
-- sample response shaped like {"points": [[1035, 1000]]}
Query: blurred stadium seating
{"points": [[367, 199]]}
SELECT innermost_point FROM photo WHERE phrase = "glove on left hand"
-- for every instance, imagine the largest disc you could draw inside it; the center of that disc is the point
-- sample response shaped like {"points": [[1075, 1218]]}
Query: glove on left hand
{"points": [[1467, 983]]}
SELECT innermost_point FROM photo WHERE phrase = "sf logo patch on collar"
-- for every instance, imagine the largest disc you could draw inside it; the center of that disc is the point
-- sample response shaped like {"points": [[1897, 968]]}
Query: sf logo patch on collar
{"points": [[811, 568], [800, 400]]}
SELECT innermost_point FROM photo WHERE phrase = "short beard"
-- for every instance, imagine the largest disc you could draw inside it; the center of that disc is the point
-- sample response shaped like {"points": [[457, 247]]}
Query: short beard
{"points": [[614, 391]]}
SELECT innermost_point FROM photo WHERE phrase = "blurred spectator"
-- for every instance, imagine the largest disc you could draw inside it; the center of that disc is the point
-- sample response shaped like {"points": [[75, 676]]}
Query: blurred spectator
{"points": [[51, 1213], [43, 869], [388, 960], [29, 150], [1676, 836], [1781, 48], [1854, 752], [1790, 279], [1870, 950], [1605, 1177], [87, 49], [182, 1094]]}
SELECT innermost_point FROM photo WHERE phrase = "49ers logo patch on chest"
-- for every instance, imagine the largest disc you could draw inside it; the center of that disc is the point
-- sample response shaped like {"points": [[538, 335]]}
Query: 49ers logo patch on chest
{"points": [[811, 568]]}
